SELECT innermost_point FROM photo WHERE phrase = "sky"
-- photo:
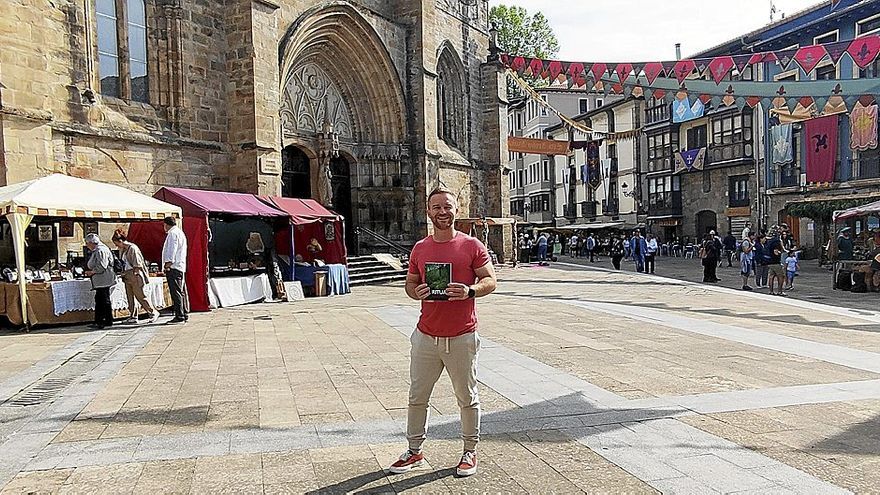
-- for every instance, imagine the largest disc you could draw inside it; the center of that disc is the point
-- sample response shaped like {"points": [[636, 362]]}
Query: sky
{"points": [[647, 30]]}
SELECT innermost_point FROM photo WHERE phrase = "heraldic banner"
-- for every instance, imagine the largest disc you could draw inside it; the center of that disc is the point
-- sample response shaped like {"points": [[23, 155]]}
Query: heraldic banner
{"points": [[593, 166], [690, 160], [821, 148]]}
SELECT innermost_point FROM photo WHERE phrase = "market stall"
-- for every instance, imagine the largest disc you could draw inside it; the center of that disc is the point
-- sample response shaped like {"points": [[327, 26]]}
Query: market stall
{"points": [[860, 221], [318, 234], [490, 230], [58, 296], [231, 241]]}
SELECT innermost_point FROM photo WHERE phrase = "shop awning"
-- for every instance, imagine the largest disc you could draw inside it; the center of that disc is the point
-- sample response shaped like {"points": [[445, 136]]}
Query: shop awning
{"points": [[858, 211], [63, 196], [301, 211], [590, 226], [197, 202], [488, 220]]}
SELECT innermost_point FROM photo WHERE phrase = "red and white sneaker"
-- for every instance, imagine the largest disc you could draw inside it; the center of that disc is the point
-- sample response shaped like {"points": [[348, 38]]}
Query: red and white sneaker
{"points": [[468, 464], [408, 460]]}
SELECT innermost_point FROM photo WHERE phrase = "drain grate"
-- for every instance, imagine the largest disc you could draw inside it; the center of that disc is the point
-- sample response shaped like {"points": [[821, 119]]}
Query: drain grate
{"points": [[51, 385]]}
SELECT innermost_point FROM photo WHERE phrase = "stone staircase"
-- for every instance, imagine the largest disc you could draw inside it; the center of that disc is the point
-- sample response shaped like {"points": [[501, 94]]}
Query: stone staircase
{"points": [[375, 269]]}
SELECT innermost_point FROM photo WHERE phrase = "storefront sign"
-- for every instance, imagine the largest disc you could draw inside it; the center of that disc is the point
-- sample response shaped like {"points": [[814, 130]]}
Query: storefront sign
{"points": [[742, 211], [537, 146], [667, 222]]}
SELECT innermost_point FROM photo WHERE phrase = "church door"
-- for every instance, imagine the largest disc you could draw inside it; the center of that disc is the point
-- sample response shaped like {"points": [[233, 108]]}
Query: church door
{"points": [[340, 183], [296, 181]]}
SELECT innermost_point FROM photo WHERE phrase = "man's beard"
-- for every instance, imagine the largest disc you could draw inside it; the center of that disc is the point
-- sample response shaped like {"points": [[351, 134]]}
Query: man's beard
{"points": [[442, 224]]}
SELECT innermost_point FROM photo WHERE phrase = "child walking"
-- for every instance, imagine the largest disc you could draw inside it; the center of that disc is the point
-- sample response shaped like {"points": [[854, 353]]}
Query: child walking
{"points": [[791, 268]]}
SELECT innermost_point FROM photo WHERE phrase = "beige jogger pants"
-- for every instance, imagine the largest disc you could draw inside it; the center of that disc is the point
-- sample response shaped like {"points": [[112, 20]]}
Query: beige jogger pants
{"points": [[428, 357]]}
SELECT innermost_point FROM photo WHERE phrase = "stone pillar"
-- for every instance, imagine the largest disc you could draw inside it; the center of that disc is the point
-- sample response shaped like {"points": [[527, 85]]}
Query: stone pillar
{"points": [[494, 153], [254, 96]]}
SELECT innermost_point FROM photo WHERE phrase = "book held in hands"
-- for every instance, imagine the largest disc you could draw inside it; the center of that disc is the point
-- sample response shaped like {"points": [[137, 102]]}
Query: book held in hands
{"points": [[438, 276]]}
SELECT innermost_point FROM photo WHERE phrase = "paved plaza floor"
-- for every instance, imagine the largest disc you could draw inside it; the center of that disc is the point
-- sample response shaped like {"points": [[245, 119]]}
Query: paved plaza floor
{"points": [[590, 381]]}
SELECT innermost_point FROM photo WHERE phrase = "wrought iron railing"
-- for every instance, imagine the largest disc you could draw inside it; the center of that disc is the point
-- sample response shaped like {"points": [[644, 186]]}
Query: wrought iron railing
{"points": [[397, 249]]}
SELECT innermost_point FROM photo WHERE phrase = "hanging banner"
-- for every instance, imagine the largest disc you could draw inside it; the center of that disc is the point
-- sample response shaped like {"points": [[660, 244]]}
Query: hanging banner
{"points": [[593, 166], [537, 146], [683, 110], [863, 122], [690, 160], [820, 141], [780, 141]]}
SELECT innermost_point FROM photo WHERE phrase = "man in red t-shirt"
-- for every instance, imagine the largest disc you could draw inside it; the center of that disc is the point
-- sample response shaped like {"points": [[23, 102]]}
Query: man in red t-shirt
{"points": [[446, 336]]}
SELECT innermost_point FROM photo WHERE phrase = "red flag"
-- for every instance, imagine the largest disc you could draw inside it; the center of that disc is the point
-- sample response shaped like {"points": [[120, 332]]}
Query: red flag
{"points": [[821, 148], [518, 64], [623, 71], [720, 67], [599, 70], [652, 70], [554, 68], [810, 56], [537, 67], [864, 50], [682, 69]]}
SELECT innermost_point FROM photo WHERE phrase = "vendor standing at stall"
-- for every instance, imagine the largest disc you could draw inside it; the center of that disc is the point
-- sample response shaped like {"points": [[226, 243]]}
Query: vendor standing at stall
{"points": [[844, 245], [174, 264], [100, 269], [135, 277]]}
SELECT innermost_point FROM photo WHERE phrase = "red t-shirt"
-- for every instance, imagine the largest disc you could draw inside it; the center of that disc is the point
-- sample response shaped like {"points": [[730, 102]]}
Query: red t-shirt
{"points": [[467, 254]]}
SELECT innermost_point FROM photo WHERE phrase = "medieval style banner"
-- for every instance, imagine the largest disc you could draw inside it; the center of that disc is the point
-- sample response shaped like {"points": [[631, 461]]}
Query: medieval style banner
{"points": [[863, 122], [820, 140], [593, 166], [781, 144], [690, 160], [537, 146]]}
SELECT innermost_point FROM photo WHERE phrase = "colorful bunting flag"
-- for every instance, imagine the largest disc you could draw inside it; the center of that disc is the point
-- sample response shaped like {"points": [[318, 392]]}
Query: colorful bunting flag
{"points": [[683, 110], [719, 67], [683, 69], [864, 50], [690, 160], [623, 71], [809, 57], [780, 142], [863, 122], [820, 141], [599, 70], [652, 70]]}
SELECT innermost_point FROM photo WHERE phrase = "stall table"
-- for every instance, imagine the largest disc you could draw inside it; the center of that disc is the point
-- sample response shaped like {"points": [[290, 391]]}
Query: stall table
{"points": [[72, 301], [233, 291], [337, 277], [851, 266]]}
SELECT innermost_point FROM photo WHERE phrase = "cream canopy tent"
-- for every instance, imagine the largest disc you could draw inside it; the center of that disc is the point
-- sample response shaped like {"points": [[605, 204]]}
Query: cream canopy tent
{"points": [[61, 196]]}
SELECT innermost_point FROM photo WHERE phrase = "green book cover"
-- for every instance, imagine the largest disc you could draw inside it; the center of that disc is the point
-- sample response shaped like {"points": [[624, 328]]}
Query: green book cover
{"points": [[438, 276]]}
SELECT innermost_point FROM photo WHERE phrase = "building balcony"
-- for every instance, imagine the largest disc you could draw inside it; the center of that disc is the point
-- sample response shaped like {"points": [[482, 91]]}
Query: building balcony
{"points": [[723, 153], [538, 217], [664, 204], [588, 209], [610, 207], [738, 202]]}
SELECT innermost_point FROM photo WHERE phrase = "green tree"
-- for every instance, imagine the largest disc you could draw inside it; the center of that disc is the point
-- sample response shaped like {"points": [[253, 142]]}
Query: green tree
{"points": [[524, 34]]}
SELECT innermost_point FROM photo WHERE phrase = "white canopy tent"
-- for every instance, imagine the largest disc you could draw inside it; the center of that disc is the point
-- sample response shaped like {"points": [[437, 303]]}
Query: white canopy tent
{"points": [[858, 211], [64, 197]]}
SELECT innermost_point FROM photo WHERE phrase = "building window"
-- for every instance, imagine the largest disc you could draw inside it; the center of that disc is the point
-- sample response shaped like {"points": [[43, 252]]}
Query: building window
{"points": [[122, 67], [546, 164], [451, 117], [543, 108], [731, 136], [661, 149], [697, 137], [872, 70], [826, 38], [826, 73], [868, 163], [664, 195], [657, 110], [612, 155], [599, 102], [738, 193], [584, 105], [869, 25]]}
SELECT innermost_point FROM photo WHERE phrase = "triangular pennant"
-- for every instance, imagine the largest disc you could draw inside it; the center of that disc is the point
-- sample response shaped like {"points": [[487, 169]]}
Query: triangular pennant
{"points": [[648, 92], [638, 92], [719, 67], [617, 88], [575, 70], [626, 90], [669, 68], [792, 104], [820, 103], [518, 64], [806, 101], [785, 57], [683, 69], [836, 50], [851, 101], [554, 68], [536, 67], [740, 103], [809, 57], [705, 99], [598, 70], [606, 88], [659, 93], [716, 101], [728, 100], [652, 70], [756, 58], [864, 50], [701, 64], [753, 101], [741, 61], [623, 71], [637, 69], [669, 97], [866, 100]]}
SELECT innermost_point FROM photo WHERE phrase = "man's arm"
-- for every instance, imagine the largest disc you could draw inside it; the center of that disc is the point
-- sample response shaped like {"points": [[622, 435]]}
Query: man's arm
{"points": [[414, 288], [486, 283]]}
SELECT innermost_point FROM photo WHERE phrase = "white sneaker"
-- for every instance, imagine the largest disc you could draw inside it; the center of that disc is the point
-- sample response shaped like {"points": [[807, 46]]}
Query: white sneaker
{"points": [[155, 317]]}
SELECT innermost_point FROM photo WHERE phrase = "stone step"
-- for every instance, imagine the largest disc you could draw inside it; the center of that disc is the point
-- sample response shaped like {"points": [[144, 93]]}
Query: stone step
{"points": [[379, 279]]}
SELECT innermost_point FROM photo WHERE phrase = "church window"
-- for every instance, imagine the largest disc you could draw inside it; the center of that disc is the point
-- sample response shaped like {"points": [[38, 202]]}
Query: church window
{"points": [[451, 117], [122, 48]]}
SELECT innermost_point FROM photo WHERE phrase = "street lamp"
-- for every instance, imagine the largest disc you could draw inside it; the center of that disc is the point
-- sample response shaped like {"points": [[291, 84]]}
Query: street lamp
{"points": [[627, 192]]}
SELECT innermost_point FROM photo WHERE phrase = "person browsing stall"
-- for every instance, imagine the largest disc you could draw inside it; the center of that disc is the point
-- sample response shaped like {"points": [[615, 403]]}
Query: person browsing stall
{"points": [[135, 277], [174, 263], [100, 270], [447, 271]]}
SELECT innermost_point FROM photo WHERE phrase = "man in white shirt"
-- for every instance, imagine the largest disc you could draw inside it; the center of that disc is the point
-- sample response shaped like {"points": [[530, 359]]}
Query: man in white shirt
{"points": [[651, 253], [174, 262]]}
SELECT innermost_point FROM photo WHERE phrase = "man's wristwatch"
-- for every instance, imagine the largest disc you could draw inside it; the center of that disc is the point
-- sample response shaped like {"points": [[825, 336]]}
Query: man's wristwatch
{"points": [[471, 293]]}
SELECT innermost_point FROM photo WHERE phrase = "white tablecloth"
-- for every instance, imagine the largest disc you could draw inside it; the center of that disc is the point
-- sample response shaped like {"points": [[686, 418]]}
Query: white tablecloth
{"points": [[233, 291], [77, 295]]}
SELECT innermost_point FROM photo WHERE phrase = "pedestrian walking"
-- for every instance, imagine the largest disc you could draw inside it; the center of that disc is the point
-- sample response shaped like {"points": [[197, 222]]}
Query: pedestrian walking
{"points": [[591, 247], [639, 249], [446, 334], [709, 257], [746, 259], [773, 254], [100, 270], [791, 269], [729, 244], [572, 246], [746, 231], [135, 277], [761, 261], [617, 251], [174, 264], [542, 248], [651, 254]]}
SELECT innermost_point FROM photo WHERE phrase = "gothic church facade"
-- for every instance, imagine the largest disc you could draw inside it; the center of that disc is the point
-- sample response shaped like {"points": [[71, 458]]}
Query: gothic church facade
{"points": [[395, 97]]}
